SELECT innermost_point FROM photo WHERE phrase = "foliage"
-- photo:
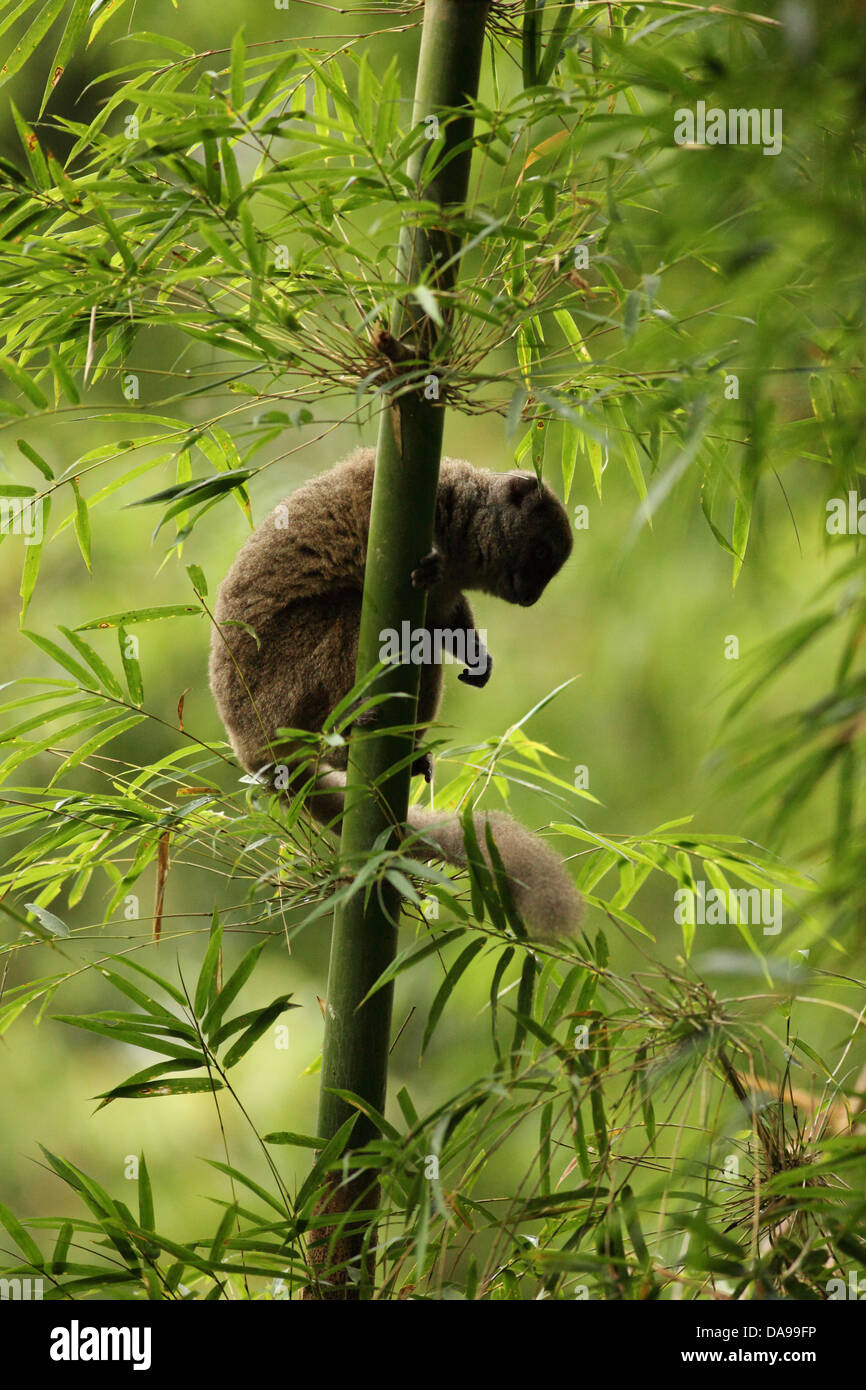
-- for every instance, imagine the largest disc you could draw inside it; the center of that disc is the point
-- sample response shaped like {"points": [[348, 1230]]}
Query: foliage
{"points": [[240, 210]]}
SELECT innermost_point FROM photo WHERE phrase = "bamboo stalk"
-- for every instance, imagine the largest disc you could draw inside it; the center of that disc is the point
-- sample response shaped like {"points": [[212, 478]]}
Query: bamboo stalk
{"points": [[355, 1055]]}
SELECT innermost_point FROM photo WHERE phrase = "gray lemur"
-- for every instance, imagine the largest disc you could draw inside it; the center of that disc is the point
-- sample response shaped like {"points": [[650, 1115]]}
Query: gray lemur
{"points": [[297, 584]]}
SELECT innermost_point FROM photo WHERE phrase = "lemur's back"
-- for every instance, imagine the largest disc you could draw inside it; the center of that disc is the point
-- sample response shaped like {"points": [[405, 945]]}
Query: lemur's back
{"points": [[297, 584]]}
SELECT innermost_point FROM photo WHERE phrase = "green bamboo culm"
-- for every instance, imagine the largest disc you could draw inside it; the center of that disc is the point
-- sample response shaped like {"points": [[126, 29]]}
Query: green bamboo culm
{"points": [[364, 942]]}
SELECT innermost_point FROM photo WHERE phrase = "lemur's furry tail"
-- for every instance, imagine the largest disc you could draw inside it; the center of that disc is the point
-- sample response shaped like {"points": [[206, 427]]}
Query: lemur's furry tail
{"points": [[541, 890]]}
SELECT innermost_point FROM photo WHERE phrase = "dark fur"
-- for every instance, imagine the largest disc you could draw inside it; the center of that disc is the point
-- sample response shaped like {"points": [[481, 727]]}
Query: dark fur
{"points": [[297, 582]]}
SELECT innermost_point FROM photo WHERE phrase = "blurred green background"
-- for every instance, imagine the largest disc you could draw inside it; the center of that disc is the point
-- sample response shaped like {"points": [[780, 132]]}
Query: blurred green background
{"points": [[640, 616]]}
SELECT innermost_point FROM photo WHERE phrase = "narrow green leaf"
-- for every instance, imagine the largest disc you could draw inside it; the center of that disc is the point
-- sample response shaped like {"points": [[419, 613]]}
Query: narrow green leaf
{"points": [[81, 674], [103, 673], [32, 561], [245, 1181], [300, 1141], [631, 314], [238, 63], [525, 996], [332, 1151], [234, 187], [61, 1249], [157, 1012], [411, 956], [429, 303], [231, 989], [24, 383], [145, 1196], [114, 233], [142, 615], [206, 988], [96, 741], [25, 1242], [261, 1024], [531, 41], [251, 241], [128, 1033], [82, 525], [131, 667], [199, 582], [556, 43], [75, 23], [501, 966], [443, 994], [171, 1086], [51, 923], [546, 1126], [36, 459], [31, 39], [139, 1083], [32, 150], [171, 990], [572, 333]]}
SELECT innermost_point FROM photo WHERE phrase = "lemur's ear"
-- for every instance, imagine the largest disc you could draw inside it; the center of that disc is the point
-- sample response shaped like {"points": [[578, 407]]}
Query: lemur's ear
{"points": [[520, 485]]}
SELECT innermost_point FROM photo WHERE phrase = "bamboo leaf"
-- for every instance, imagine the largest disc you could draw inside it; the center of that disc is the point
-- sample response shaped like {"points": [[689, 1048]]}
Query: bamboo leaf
{"points": [[531, 41], [75, 23], [129, 1033], [145, 1196], [52, 924], [25, 383], [302, 1141], [82, 525], [97, 740], [502, 965], [142, 615], [206, 987], [171, 990], [80, 673], [248, 1182], [238, 67], [332, 1150], [36, 459], [411, 956], [61, 1248], [260, 1024], [32, 561], [464, 960], [25, 1242], [170, 1086], [31, 39], [131, 667], [231, 989], [102, 672]]}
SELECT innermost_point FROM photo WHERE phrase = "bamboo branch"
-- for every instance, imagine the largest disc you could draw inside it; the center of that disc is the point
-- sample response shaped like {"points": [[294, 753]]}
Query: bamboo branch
{"points": [[355, 1056]]}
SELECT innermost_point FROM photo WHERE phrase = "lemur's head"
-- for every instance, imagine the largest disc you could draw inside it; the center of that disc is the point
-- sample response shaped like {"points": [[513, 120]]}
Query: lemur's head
{"points": [[536, 535]]}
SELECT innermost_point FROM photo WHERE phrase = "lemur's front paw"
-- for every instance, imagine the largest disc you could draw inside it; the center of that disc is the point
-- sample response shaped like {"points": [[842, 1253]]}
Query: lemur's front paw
{"points": [[423, 767], [477, 675], [429, 571]]}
